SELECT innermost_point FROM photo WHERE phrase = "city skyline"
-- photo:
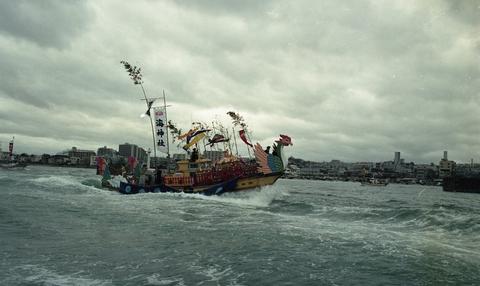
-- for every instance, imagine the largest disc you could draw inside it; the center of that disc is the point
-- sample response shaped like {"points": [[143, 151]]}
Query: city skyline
{"points": [[396, 155], [349, 81]]}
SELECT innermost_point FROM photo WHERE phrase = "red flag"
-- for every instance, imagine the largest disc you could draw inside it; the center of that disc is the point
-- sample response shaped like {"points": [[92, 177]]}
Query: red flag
{"points": [[244, 138], [101, 164], [132, 162]]}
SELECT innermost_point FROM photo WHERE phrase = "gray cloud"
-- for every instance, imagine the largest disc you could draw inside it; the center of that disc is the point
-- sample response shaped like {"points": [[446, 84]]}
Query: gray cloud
{"points": [[48, 23], [352, 81]]}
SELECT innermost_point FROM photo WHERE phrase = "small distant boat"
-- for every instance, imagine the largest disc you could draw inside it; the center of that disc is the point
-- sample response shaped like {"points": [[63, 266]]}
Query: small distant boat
{"points": [[374, 182], [11, 163]]}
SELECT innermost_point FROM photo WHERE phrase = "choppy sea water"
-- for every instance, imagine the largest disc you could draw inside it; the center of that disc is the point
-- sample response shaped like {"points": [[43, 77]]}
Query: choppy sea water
{"points": [[57, 227]]}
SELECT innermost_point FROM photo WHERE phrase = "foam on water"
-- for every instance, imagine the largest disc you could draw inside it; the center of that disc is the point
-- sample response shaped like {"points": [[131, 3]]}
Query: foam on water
{"points": [[217, 274], [156, 279], [260, 197], [41, 275], [62, 181]]}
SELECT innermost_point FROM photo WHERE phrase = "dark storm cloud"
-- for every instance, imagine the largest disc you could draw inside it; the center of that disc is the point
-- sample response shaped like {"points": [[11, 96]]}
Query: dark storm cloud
{"points": [[466, 11], [49, 23], [352, 81]]}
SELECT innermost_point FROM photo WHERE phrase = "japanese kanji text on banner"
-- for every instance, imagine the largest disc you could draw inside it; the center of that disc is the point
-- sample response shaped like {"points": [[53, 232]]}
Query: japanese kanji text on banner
{"points": [[161, 129]]}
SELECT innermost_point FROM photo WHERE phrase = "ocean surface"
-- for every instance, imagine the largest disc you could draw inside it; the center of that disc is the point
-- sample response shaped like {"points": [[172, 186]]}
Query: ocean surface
{"points": [[58, 227]]}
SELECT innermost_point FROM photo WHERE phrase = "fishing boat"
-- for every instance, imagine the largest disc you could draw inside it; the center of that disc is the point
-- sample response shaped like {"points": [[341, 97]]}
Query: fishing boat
{"points": [[198, 174], [11, 163]]}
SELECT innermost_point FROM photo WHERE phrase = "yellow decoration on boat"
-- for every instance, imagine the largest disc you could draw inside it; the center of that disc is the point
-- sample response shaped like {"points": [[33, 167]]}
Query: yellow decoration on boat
{"points": [[189, 133], [194, 140]]}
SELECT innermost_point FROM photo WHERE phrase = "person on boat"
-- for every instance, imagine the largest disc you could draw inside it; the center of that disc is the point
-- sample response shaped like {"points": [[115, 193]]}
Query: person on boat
{"points": [[158, 176], [123, 172], [148, 179], [194, 155]]}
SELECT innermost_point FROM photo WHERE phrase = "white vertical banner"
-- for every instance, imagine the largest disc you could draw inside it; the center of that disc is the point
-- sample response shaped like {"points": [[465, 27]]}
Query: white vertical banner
{"points": [[161, 129]]}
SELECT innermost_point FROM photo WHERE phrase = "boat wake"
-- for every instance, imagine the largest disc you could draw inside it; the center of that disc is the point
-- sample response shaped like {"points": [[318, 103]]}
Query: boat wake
{"points": [[259, 197], [67, 182]]}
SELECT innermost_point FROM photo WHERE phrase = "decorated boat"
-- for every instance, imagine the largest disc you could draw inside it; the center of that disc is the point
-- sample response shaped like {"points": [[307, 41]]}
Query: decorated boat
{"points": [[204, 176], [199, 174]]}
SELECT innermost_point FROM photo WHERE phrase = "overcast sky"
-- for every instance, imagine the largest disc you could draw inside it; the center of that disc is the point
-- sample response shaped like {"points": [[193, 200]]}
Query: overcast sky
{"points": [[348, 80]]}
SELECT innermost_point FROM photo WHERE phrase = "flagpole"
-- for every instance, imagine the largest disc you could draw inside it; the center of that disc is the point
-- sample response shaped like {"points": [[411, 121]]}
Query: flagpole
{"points": [[248, 146], [235, 140], [166, 119], [151, 124], [229, 144]]}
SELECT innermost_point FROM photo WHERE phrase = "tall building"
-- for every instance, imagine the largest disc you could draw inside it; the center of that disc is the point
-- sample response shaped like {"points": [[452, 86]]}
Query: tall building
{"points": [[141, 155], [445, 167], [131, 150], [84, 156], [396, 160], [106, 152], [128, 150]]}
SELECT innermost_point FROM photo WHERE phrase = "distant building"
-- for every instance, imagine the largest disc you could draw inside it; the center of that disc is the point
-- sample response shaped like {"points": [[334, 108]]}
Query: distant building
{"points": [[59, 159], [82, 155], [445, 167], [214, 155], [426, 172], [310, 172]]}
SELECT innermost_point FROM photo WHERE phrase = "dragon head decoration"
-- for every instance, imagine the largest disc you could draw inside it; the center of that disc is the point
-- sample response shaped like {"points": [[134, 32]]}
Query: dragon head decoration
{"points": [[284, 140], [272, 163]]}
